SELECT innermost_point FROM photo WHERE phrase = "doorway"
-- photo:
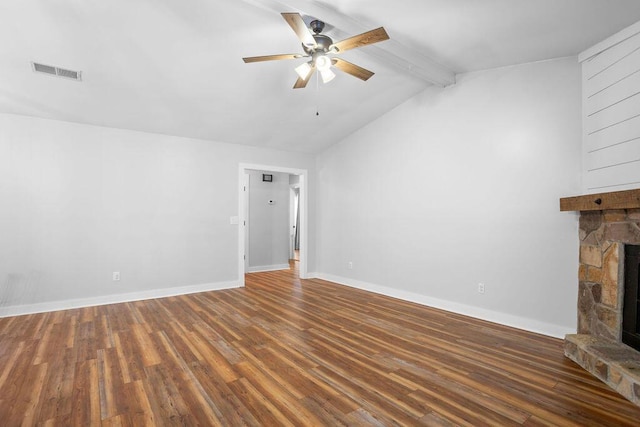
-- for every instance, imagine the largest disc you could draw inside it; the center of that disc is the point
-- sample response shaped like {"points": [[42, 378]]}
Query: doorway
{"points": [[302, 220]]}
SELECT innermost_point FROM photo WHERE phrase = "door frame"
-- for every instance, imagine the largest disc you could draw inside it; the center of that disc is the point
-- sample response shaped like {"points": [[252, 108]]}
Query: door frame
{"points": [[294, 191], [242, 211], [245, 220]]}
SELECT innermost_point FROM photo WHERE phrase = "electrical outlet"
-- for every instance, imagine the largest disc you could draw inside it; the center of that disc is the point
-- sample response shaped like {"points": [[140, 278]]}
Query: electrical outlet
{"points": [[481, 288], [350, 265], [116, 276]]}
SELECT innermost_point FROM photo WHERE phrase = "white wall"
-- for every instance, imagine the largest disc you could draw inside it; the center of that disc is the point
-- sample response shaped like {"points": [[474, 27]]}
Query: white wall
{"points": [[459, 186], [268, 223], [79, 202]]}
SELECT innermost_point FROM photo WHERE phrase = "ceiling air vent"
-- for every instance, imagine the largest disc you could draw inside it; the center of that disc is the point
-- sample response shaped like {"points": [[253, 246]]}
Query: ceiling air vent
{"points": [[56, 71]]}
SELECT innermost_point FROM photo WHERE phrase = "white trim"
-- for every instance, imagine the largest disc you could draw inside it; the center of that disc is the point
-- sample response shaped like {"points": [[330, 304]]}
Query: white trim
{"points": [[615, 39], [263, 268], [524, 323], [245, 256], [242, 224], [304, 231], [18, 310]]}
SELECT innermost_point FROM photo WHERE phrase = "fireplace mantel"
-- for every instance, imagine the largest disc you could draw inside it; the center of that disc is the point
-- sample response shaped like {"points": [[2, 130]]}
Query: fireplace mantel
{"points": [[628, 199]]}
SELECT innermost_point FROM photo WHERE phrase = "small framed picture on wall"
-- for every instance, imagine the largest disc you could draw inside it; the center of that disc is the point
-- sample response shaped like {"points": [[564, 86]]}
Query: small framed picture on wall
{"points": [[267, 177]]}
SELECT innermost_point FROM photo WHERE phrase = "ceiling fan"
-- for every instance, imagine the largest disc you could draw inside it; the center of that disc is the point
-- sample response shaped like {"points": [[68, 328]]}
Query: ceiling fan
{"points": [[318, 47]]}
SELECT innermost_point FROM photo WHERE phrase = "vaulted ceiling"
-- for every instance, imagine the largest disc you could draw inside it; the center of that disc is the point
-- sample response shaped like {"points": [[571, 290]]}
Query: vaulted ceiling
{"points": [[175, 67]]}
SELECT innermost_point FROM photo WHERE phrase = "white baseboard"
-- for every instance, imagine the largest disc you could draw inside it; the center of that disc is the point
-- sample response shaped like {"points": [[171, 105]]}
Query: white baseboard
{"points": [[263, 268], [42, 307], [524, 323], [518, 322]]}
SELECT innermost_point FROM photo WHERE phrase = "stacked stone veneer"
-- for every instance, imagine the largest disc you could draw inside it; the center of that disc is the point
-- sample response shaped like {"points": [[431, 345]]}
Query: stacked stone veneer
{"points": [[602, 239], [597, 347]]}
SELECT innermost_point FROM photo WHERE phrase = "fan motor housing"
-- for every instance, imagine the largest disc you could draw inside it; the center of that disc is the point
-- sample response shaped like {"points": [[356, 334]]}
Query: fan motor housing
{"points": [[323, 44]]}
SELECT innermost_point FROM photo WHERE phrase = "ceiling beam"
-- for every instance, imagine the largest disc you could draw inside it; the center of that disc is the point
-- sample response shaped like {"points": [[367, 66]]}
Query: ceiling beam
{"points": [[391, 52]]}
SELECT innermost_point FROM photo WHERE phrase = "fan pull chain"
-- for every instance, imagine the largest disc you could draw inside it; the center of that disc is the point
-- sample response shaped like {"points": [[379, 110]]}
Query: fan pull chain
{"points": [[317, 94]]}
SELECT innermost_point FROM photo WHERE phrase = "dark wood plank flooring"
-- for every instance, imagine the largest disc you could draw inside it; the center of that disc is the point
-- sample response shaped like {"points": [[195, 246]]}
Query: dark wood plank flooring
{"points": [[282, 351]]}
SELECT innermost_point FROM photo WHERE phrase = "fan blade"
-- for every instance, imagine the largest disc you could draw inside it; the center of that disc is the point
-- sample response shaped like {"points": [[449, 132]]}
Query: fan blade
{"points": [[272, 57], [353, 69], [370, 37], [296, 23], [302, 83]]}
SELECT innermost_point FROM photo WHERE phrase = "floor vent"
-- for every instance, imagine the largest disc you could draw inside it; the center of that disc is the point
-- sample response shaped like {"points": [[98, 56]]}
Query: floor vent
{"points": [[57, 71]]}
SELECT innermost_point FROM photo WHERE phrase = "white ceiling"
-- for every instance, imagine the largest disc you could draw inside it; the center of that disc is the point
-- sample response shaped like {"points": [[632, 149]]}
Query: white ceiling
{"points": [[175, 67]]}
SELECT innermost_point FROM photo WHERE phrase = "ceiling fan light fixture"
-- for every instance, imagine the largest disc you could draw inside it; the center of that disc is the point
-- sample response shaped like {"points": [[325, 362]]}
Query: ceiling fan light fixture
{"points": [[318, 46], [303, 70], [323, 62], [327, 75]]}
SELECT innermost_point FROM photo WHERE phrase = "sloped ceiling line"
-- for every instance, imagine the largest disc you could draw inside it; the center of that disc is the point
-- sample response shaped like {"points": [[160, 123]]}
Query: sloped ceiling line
{"points": [[392, 52]]}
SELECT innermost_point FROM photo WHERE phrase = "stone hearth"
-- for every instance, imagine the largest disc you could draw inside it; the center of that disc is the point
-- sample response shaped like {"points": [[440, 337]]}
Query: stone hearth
{"points": [[606, 225]]}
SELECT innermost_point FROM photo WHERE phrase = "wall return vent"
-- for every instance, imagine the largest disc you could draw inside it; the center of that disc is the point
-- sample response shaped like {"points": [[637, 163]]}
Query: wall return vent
{"points": [[57, 71]]}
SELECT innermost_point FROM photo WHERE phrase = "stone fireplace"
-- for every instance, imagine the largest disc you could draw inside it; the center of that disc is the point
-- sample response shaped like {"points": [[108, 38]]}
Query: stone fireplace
{"points": [[608, 222]]}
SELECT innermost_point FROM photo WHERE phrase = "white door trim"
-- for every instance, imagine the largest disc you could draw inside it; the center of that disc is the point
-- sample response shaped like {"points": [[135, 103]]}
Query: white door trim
{"points": [[304, 234]]}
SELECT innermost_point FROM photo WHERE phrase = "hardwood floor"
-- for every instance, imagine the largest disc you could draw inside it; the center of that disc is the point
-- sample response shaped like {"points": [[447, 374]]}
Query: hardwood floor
{"points": [[288, 352]]}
